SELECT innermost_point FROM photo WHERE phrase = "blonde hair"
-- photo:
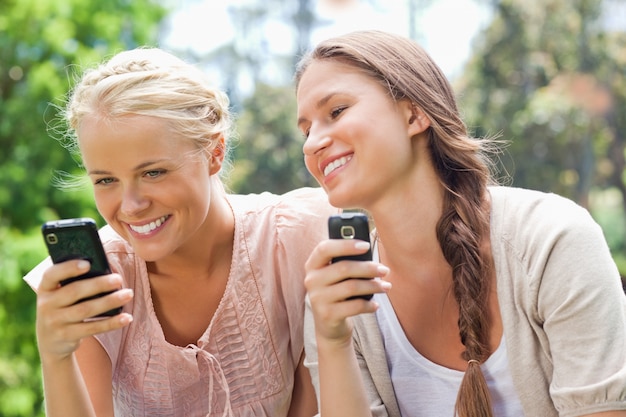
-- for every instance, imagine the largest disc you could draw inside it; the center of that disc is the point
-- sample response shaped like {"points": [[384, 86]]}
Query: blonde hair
{"points": [[406, 71], [151, 82]]}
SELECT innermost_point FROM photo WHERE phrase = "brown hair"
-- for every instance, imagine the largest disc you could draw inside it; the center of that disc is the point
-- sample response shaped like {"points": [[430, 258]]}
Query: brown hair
{"points": [[407, 72]]}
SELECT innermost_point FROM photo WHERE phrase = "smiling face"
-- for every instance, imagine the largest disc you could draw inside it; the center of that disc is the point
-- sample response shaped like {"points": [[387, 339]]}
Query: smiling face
{"points": [[147, 186], [358, 140]]}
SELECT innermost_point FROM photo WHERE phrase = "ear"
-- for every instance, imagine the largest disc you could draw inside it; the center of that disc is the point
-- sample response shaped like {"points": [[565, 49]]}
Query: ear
{"points": [[417, 121], [216, 158]]}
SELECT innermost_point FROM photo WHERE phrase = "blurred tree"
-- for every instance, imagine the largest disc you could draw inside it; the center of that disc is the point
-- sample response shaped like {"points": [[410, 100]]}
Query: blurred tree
{"points": [[40, 41], [268, 154], [258, 79], [550, 77], [254, 56]]}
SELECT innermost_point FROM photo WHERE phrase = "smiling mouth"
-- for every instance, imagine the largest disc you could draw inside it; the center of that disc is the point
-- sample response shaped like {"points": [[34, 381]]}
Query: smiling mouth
{"points": [[336, 164], [147, 228]]}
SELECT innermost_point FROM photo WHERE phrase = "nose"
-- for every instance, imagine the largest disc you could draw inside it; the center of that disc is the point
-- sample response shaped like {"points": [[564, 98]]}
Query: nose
{"points": [[133, 201], [315, 142]]}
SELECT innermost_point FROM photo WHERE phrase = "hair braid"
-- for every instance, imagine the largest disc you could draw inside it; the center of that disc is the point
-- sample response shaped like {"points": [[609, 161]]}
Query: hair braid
{"points": [[460, 232]]}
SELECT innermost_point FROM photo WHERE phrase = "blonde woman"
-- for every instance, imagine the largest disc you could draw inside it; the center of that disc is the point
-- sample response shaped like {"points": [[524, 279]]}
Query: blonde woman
{"points": [[211, 284]]}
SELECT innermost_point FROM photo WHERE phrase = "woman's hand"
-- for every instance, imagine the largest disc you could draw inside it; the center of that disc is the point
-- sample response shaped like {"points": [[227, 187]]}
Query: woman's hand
{"points": [[330, 287], [61, 322]]}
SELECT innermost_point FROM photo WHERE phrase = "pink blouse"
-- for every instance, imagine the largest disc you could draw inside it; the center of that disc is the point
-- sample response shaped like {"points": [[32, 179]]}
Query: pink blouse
{"points": [[244, 363]]}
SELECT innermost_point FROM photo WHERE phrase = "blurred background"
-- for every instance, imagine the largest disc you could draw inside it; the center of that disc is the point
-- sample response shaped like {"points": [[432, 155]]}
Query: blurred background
{"points": [[547, 75]]}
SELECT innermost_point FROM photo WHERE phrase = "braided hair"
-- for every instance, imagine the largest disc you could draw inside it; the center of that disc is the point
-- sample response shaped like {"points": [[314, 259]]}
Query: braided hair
{"points": [[151, 82]]}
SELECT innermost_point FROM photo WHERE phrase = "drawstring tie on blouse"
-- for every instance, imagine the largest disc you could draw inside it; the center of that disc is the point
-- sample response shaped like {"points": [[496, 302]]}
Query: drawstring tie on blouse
{"points": [[216, 382]]}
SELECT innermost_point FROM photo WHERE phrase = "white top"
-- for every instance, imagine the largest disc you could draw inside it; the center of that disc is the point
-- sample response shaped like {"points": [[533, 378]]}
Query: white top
{"points": [[424, 388]]}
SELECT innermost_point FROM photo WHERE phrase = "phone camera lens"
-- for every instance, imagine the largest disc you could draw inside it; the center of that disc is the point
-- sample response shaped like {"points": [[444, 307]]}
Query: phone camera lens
{"points": [[347, 232]]}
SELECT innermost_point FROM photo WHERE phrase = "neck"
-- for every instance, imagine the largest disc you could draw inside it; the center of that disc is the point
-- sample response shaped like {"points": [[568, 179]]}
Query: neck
{"points": [[406, 222]]}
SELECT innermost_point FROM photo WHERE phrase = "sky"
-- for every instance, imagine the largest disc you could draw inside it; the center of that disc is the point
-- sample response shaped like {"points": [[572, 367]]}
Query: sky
{"points": [[445, 27]]}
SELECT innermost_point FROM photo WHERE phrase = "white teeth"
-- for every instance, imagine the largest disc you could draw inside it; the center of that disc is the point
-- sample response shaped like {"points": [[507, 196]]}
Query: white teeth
{"points": [[147, 228], [336, 164]]}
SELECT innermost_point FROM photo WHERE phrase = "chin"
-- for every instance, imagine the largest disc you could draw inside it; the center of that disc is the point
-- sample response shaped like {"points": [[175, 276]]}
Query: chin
{"points": [[149, 254], [340, 201]]}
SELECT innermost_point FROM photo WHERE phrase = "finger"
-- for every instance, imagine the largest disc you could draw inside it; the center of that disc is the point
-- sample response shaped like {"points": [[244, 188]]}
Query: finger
{"points": [[89, 287], [93, 327], [357, 269], [62, 340], [89, 309], [328, 249], [331, 274], [348, 289], [56, 273]]}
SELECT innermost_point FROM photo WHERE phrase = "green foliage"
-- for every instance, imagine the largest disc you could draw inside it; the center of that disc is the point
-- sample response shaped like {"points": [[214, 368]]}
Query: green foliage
{"points": [[20, 381], [43, 45], [40, 40], [549, 77]]}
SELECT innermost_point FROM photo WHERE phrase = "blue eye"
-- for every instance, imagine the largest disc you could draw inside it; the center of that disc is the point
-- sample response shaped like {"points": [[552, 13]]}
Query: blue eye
{"points": [[154, 173], [103, 181]]}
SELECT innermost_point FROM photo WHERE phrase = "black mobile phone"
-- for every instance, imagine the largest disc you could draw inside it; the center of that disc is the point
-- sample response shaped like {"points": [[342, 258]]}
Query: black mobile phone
{"points": [[78, 239], [351, 225]]}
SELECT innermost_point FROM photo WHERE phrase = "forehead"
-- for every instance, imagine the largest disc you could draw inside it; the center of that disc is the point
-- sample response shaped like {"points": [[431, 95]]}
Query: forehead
{"points": [[324, 78], [127, 137], [328, 71]]}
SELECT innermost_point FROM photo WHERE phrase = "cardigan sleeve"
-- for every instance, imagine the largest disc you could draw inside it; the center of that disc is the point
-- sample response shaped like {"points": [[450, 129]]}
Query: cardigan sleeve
{"points": [[562, 305], [583, 309]]}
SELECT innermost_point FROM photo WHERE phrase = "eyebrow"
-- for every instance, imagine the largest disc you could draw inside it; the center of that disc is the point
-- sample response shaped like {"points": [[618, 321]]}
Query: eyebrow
{"points": [[137, 168], [319, 104]]}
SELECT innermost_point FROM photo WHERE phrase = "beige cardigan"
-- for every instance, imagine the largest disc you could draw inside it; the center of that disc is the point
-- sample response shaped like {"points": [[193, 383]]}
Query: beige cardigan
{"points": [[562, 306]]}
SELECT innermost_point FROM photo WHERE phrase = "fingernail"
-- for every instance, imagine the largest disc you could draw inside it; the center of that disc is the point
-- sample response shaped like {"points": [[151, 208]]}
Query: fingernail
{"points": [[83, 264], [126, 318], [382, 270], [386, 285], [126, 293], [361, 245]]}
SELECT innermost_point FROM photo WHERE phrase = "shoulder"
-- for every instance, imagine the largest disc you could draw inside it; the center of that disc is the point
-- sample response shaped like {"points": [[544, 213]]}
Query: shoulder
{"points": [[540, 232], [545, 238], [300, 198], [300, 207], [518, 212], [525, 201], [288, 225]]}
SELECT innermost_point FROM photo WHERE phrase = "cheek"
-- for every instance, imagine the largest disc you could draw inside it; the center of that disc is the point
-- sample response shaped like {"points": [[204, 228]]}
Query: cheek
{"points": [[311, 166], [104, 204]]}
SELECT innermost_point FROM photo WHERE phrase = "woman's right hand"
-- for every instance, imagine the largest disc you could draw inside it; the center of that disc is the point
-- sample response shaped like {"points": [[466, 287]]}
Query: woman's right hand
{"points": [[330, 290], [61, 322]]}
